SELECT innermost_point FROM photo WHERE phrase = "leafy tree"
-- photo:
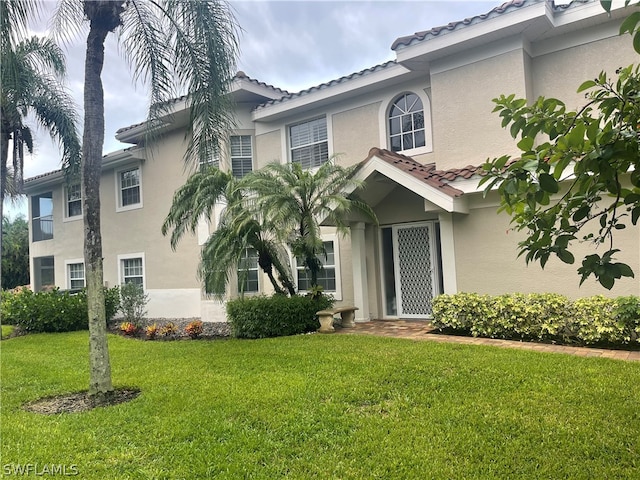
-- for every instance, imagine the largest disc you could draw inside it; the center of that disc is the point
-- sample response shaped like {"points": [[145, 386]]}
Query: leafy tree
{"points": [[295, 201], [238, 230], [31, 73], [15, 252], [174, 47], [577, 169]]}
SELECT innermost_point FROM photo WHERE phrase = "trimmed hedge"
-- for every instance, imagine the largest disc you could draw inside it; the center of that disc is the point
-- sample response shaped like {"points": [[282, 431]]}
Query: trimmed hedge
{"points": [[545, 316], [275, 316], [53, 311]]}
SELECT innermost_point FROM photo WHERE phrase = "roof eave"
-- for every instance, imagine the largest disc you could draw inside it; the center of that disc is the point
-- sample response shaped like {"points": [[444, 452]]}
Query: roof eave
{"points": [[490, 29], [451, 200], [329, 93]]}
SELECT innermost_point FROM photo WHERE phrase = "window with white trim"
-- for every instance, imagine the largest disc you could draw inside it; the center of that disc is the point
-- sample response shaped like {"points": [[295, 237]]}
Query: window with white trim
{"points": [[132, 271], [129, 192], [248, 272], [73, 201], [308, 143], [406, 123], [327, 277], [75, 274], [241, 155]]}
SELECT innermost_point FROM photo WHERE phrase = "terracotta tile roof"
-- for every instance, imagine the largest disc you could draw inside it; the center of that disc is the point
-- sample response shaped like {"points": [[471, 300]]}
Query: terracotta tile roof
{"points": [[42, 175], [428, 174], [59, 171], [434, 32], [331, 83], [240, 74]]}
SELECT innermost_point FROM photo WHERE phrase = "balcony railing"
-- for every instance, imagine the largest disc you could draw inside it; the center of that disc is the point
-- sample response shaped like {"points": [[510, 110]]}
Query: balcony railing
{"points": [[42, 228]]}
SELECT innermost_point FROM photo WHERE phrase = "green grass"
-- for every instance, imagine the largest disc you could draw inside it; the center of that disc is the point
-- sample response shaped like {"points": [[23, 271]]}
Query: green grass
{"points": [[6, 330], [317, 406]]}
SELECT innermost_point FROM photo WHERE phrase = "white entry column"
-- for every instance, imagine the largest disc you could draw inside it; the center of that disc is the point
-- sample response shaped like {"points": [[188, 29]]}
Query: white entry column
{"points": [[360, 283]]}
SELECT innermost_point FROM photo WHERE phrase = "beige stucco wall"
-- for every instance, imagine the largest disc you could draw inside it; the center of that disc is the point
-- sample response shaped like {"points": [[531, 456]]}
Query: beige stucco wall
{"points": [[465, 131], [559, 74], [131, 231], [486, 260], [401, 206], [138, 230], [268, 148], [355, 132]]}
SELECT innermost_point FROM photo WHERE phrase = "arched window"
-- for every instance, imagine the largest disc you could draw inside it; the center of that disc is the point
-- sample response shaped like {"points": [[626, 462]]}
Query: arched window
{"points": [[406, 123]]}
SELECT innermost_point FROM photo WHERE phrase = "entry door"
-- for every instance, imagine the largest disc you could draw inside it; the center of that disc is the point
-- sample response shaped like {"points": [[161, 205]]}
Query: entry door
{"points": [[415, 268]]}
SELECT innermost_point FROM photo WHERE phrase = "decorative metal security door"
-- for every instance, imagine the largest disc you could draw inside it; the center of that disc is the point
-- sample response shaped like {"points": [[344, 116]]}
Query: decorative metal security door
{"points": [[414, 265]]}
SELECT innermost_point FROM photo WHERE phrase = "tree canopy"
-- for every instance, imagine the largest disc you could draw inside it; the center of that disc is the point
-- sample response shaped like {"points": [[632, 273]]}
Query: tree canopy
{"points": [[15, 252]]}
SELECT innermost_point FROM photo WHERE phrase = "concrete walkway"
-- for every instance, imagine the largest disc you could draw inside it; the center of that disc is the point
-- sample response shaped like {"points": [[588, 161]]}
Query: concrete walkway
{"points": [[422, 330]]}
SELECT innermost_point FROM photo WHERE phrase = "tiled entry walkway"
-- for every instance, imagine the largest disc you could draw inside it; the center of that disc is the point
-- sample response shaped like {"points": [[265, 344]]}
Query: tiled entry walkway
{"points": [[421, 330]]}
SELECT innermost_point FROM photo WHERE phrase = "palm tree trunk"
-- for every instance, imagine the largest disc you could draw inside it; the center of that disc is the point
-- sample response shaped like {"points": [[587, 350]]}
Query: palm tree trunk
{"points": [[284, 277], [4, 154], [100, 384]]}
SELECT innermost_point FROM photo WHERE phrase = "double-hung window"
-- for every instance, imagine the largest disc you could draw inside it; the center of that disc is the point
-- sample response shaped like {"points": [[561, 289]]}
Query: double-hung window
{"points": [[73, 201], [327, 277], [248, 272], [241, 155], [132, 270], [75, 273], [308, 143], [129, 193]]}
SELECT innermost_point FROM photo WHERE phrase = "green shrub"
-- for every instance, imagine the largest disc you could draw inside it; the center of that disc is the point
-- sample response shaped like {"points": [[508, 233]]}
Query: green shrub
{"points": [[261, 316], [540, 317], [133, 302], [53, 311]]}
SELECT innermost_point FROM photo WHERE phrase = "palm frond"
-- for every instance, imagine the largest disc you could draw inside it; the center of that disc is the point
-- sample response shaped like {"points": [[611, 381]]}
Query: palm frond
{"points": [[68, 21], [195, 200]]}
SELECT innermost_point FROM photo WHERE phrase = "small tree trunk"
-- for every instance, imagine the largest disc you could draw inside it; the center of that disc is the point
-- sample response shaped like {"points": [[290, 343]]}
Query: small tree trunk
{"points": [[4, 155], [100, 385]]}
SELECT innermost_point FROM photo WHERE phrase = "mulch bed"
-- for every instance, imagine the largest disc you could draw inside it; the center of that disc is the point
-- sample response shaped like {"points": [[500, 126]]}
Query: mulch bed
{"points": [[79, 402]]}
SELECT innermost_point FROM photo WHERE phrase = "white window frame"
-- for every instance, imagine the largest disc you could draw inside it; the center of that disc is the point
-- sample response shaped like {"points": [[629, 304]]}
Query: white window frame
{"points": [[242, 155], [118, 182], [65, 207], [131, 256], [337, 294], [67, 272], [290, 148], [383, 119], [256, 269]]}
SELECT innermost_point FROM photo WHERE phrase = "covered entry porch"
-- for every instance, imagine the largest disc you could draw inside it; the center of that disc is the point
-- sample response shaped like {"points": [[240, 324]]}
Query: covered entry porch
{"points": [[402, 263]]}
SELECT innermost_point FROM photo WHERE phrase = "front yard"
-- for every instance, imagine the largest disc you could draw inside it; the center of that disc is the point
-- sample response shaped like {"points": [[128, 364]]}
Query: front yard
{"points": [[314, 406]]}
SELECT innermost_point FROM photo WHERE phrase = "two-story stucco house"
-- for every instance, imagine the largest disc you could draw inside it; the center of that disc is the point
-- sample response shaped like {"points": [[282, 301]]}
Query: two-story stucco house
{"points": [[418, 125]]}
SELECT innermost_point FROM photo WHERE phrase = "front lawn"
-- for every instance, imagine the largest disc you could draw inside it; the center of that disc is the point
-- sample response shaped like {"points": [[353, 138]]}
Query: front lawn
{"points": [[314, 406], [6, 330]]}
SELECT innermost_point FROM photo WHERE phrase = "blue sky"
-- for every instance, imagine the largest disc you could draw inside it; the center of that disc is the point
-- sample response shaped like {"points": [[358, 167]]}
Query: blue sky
{"points": [[290, 44]]}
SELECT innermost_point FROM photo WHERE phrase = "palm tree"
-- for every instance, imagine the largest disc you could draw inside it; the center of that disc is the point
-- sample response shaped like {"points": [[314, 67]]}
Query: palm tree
{"points": [[31, 72], [296, 201], [238, 230], [174, 46]]}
